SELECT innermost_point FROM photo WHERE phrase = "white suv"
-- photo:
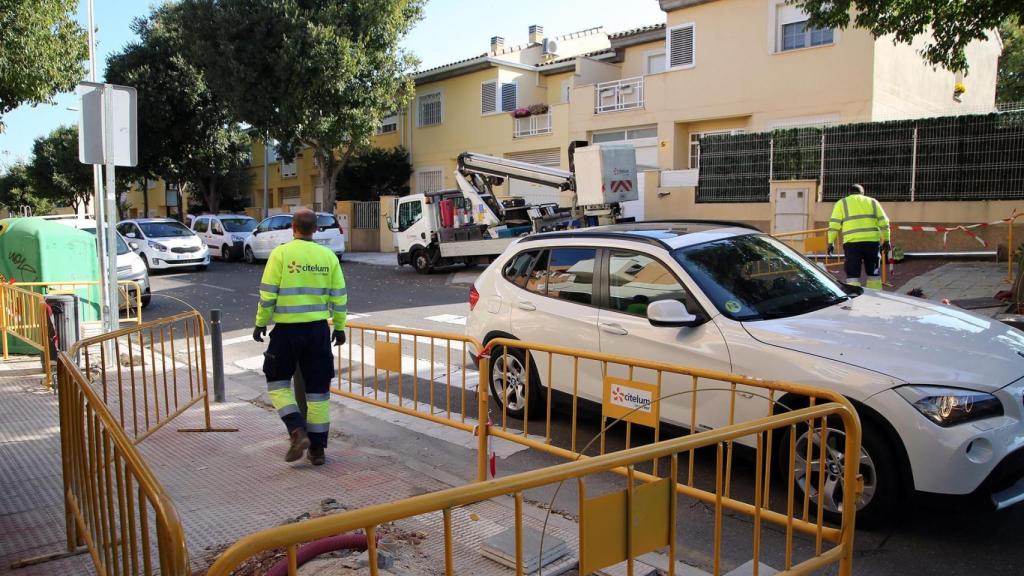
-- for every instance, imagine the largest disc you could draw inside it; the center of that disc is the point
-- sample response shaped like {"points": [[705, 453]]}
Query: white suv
{"points": [[224, 234], [165, 243], [938, 389], [277, 230]]}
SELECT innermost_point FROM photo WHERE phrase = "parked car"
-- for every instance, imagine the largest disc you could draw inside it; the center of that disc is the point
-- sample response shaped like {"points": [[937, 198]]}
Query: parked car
{"points": [[277, 230], [164, 243], [938, 390], [129, 265], [224, 234]]}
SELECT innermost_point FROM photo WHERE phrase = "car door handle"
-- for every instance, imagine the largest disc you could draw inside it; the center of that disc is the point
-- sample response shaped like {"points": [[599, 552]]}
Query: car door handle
{"points": [[613, 329], [528, 306]]}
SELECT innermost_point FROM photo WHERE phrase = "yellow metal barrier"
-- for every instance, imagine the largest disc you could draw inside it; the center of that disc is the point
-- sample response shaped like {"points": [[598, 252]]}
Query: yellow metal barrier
{"points": [[812, 242], [150, 373], [129, 290], [606, 538], [424, 374], [114, 504], [24, 315]]}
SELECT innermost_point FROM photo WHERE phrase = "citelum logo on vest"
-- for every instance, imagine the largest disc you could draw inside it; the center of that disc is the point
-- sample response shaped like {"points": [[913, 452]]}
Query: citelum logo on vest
{"points": [[632, 398], [295, 268]]}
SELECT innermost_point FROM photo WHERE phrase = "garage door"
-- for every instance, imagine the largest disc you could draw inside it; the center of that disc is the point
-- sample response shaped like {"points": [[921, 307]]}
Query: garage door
{"points": [[535, 193]]}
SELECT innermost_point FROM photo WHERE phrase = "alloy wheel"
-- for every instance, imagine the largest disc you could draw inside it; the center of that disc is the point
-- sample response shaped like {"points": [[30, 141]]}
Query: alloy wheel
{"points": [[830, 477], [509, 378]]}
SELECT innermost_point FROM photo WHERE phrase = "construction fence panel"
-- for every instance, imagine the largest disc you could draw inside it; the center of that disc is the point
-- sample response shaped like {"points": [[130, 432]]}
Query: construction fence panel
{"points": [[24, 316], [968, 157]]}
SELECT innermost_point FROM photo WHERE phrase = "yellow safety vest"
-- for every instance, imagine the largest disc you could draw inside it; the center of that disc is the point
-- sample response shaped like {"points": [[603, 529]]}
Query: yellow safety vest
{"points": [[302, 282], [860, 218]]}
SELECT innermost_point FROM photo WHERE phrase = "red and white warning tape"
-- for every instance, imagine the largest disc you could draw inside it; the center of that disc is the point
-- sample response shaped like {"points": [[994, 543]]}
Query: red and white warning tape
{"points": [[945, 230]]}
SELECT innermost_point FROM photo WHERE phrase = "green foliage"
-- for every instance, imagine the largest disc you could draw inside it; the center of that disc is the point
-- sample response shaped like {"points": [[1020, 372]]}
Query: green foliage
{"points": [[319, 73], [16, 192], [55, 171], [375, 172], [41, 51], [1010, 78], [953, 23], [190, 137]]}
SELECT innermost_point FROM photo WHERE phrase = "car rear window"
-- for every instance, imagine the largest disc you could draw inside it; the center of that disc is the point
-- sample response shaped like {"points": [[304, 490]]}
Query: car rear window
{"points": [[325, 221]]}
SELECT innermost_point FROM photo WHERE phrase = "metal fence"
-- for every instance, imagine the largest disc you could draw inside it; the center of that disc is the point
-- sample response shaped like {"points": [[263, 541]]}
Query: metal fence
{"points": [[24, 316], [367, 215], [969, 157]]}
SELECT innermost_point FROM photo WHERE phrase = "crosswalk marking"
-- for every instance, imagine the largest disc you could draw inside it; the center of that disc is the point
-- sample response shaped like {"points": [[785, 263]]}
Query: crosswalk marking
{"points": [[448, 319]]}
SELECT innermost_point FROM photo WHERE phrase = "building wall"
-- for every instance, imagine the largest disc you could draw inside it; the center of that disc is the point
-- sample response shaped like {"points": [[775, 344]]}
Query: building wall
{"points": [[905, 86], [306, 175]]}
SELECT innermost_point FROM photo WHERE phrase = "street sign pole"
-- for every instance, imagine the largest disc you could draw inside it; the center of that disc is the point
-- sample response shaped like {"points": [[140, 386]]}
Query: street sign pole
{"points": [[98, 203], [107, 226]]}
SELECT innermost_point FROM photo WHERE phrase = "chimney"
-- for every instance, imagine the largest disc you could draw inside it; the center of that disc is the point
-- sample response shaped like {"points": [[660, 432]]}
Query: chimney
{"points": [[536, 34], [497, 44]]}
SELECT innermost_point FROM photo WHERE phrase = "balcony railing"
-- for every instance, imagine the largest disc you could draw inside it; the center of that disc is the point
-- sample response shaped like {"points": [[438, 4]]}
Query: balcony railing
{"points": [[532, 125], [617, 95]]}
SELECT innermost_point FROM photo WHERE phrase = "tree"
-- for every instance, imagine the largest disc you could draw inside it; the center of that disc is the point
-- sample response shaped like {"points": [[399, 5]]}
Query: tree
{"points": [[1010, 79], [317, 73], [16, 192], [191, 137], [375, 172], [55, 172], [953, 24], [41, 51]]}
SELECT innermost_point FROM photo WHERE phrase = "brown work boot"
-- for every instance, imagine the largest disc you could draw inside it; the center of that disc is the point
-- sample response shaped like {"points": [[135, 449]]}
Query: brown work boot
{"points": [[300, 441], [316, 455]]}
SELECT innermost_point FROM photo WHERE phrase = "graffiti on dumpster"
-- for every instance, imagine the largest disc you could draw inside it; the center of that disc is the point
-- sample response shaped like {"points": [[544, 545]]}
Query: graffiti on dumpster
{"points": [[22, 265]]}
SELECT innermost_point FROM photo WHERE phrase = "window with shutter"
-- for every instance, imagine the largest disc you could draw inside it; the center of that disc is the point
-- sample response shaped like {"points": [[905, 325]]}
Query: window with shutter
{"points": [[430, 180], [430, 111], [509, 96], [489, 97], [681, 47]]}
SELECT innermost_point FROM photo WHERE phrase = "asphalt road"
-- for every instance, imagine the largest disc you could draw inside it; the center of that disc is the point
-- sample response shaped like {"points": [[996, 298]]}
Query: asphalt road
{"points": [[933, 535]]}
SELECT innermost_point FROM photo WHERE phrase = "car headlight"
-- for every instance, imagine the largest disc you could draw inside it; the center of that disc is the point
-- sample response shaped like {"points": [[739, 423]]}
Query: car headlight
{"points": [[237, 238], [951, 406], [157, 246]]}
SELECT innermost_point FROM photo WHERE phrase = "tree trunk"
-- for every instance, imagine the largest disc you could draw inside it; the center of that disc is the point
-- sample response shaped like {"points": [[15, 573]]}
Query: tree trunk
{"points": [[213, 196], [143, 185], [330, 168]]}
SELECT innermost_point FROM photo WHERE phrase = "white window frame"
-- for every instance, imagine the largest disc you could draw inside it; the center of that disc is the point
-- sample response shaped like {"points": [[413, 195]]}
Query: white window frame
{"points": [[290, 169], [694, 143], [782, 13], [389, 120], [566, 93], [659, 52], [419, 108], [499, 100], [668, 47], [420, 189]]}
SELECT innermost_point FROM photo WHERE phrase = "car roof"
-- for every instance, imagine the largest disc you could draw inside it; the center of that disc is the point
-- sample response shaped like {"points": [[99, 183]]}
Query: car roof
{"points": [[148, 220], [668, 234]]}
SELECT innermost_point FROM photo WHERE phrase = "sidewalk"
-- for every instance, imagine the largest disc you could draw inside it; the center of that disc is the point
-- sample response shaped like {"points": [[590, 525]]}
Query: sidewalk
{"points": [[962, 281], [372, 258]]}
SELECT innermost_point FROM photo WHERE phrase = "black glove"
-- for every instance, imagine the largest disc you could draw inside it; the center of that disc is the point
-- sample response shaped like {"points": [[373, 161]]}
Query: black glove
{"points": [[339, 337], [885, 247], [831, 249], [258, 333]]}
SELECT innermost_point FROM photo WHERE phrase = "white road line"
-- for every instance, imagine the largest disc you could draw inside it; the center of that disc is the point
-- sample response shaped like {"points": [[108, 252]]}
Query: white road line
{"points": [[236, 340], [214, 287], [448, 319]]}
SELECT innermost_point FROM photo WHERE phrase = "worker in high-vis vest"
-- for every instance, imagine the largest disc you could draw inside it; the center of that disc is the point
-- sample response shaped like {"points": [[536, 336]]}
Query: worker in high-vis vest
{"points": [[865, 230], [302, 287]]}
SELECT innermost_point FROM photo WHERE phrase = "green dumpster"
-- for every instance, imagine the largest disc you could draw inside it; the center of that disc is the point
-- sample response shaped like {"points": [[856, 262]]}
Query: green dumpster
{"points": [[38, 250]]}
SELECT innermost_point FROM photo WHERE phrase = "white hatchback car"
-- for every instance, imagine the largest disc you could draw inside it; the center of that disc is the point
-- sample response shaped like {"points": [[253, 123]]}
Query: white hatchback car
{"points": [[277, 230], [939, 390], [224, 234], [165, 243]]}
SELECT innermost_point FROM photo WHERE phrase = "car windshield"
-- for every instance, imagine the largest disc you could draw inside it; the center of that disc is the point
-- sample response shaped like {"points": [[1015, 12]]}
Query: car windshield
{"points": [[239, 224], [122, 248], [755, 277], [164, 229]]}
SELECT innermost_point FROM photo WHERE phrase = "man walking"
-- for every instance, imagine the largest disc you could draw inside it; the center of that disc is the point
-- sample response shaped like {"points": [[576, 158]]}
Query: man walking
{"points": [[302, 287], [865, 229]]}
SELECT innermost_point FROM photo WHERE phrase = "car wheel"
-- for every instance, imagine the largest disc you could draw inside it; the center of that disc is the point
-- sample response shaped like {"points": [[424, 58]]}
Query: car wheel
{"points": [[146, 298], [509, 382], [882, 485], [225, 253], [250, 258], [421, 261]]}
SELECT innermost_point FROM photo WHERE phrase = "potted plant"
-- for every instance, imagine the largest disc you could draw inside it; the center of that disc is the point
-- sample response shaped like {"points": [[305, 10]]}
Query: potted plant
{"points": [[521, 113], [538, 109]]}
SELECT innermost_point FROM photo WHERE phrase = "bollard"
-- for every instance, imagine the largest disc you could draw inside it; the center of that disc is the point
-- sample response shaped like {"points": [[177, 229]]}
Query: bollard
{"points": [[217, 354]]}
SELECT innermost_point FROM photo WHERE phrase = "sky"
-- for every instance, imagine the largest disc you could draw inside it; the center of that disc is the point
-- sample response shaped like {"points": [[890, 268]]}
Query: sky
{"points": [[450, 30]]}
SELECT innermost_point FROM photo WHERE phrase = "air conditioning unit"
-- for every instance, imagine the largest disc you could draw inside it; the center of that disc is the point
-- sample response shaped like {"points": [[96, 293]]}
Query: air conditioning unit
{"points": [[550, 47]]}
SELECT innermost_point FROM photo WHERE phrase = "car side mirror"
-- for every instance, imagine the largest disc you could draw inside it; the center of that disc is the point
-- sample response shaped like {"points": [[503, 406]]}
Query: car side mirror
{"points": [[255, 232], [670, 314], [134, 246], [392, 226]]}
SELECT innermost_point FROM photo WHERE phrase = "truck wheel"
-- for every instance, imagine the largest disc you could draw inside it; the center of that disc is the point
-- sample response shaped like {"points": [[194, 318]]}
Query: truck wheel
{"points": [[421, 261]]}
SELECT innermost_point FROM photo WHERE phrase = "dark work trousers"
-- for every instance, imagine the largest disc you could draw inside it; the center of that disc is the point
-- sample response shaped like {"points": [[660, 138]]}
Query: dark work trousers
{"points": [[857, 254], [307, 345]]}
